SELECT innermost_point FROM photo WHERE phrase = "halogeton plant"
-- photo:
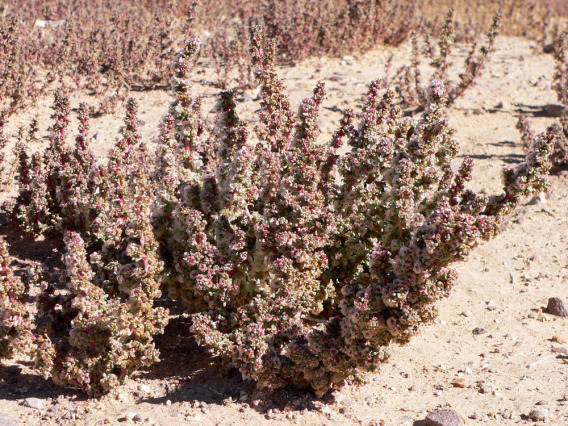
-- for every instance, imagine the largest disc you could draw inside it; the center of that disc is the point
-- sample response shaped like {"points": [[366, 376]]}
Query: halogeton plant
{"points": [[409, 80], [302, 264]]}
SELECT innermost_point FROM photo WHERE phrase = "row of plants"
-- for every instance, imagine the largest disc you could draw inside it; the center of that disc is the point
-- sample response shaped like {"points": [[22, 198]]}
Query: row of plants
{"points": [[109, 48]]}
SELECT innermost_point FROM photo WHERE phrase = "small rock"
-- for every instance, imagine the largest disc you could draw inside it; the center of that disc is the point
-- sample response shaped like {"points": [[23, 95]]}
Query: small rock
{"points": [[553, 110], [414, 388], [144, 388], [502, 105], [539, 199], [559, 339], [137, 418], [478, 330], [443, 418], [6, 420], [539, 414], [478, 111], [168, 402], [556, 306], [559, 350], [542, 402], [460, 382], [54, 408], [130, 416], [99, 136], [251, 95], [69, 415], [33, 403], [486, 387], [466, 314]]}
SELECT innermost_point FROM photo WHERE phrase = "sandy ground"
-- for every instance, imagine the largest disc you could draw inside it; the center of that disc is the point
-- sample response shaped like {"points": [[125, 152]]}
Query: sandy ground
{"points": [[515, 361]]}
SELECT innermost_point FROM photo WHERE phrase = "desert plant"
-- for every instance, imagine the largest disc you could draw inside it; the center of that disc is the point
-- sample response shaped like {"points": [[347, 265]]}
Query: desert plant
{"points": [[15, 321], [303, 265], [409, 85], [559, 154], [101, 329], [65, 189]]}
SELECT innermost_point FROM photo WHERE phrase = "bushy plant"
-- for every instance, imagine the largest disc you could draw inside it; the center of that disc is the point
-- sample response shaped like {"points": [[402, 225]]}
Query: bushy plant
{"points": [[16, 323], [65, 189], [303, 265], [559, 155], [97, 323], [100, 330], [409, 84]]}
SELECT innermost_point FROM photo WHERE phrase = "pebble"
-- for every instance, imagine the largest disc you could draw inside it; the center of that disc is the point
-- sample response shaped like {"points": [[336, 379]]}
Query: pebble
{"points": [[553, 110], [144, 388], [443, 418], [168, 402], [486, 387], [130, 416], [251, 95], [6, 420], [478, 330], [556, 306], [559, 350], [539, 414], [460, 382], [69, 415], [137, 418], [36, 403], [99, 136]]}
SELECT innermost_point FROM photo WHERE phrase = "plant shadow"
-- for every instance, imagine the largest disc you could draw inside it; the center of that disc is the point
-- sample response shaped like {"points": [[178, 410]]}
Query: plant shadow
{"points": [[206, 380]]}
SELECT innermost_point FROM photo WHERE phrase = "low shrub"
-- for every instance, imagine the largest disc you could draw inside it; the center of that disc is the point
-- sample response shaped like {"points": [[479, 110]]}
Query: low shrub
{"points": [[303, 265]]}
